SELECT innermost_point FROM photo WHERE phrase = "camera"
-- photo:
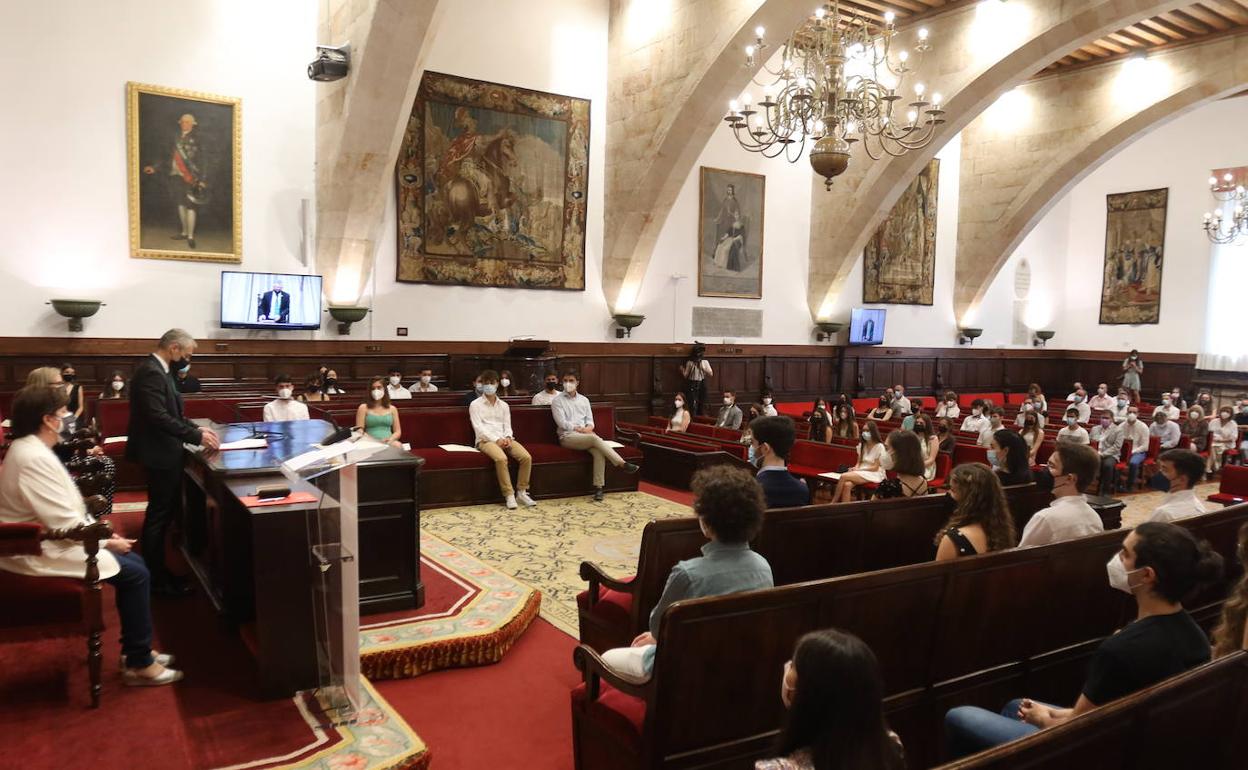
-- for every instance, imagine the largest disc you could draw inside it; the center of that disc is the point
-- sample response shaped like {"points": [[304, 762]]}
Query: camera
{"points": [[331, 63]]}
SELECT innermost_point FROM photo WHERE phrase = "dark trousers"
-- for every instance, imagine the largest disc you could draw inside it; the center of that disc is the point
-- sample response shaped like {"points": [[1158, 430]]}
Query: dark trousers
{"points": [[695, 392], [164, 500], [1109, 475], [133, 585]]}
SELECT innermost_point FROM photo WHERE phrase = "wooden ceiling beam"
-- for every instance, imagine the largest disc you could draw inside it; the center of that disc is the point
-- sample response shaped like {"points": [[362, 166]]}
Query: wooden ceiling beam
{"points": [[1233, 13], [1165, 28], [1124, 39], [1206, 17], [1186, 23], [1138, 32], [1111, 45]]}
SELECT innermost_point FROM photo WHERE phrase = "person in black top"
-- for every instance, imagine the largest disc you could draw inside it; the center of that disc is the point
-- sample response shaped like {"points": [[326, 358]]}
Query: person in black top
{"points": [[772, 439], [1158, 564], [982, 521], [76, 402], [188, 383], [820, 422], [1012, 458]]}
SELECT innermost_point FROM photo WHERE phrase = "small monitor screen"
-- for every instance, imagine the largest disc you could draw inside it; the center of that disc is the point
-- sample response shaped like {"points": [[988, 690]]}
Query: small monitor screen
{"points": [[866, 326], [270, 301]]}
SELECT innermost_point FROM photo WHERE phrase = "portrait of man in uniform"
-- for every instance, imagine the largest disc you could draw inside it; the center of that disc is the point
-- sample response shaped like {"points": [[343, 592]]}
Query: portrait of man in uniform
{"points": [[184, 174]]}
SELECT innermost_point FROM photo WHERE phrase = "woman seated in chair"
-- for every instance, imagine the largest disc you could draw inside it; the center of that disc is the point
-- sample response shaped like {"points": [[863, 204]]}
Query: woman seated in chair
{"points": [[982, 521], [904, 457], [378, 417], [47, 376], [36, 488], [116, 388], [680, 418], [868, 469]]}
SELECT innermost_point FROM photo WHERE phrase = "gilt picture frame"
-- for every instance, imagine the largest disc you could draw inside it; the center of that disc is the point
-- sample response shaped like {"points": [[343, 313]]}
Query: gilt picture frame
{"points": [[731, 208]]}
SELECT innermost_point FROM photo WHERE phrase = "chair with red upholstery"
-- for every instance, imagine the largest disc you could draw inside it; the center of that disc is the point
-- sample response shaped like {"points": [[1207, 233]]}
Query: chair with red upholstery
{"points": [[38, 608], [1150, 461], [944, 464], [1233, 488]]}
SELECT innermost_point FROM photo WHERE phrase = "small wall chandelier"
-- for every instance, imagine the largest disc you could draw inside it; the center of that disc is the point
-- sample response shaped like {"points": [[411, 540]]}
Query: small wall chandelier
{"points": [[839, 82], [1236, 225]]}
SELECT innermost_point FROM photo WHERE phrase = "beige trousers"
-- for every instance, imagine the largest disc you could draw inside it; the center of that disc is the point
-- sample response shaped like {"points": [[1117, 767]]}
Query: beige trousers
{"points": [[492, 450], [593, 443]]}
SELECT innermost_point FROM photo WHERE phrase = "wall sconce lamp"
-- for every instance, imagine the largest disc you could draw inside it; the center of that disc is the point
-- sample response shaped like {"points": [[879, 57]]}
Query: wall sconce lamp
{"points": [[827, 330], [627, 322], [76, 310], [346, 315], [967, 335], [1042, 337]]}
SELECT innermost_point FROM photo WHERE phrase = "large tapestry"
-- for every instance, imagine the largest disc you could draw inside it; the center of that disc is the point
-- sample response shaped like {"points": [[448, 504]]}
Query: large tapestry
{"points": [[1135, 237], [730, 234], [491, 182], [899, 262]]}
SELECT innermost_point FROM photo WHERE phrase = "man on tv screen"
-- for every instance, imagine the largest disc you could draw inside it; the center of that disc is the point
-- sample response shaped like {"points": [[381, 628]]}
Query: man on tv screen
{"points": [[274, 305]]}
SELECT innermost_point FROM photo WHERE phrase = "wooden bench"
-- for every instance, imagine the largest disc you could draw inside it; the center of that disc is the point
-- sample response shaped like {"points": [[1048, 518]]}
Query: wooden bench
{"points": [[971, 631]]}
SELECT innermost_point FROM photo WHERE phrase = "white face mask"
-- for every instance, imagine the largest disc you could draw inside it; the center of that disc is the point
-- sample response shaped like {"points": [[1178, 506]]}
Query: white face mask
{"points": [[378, 393], [1119, 577], [1100, 391], [425, 379], [727, 401], [394, 380], [284, 393], [118, 384], [1070, 420], [1131, 417], [1027, 407], [680, 404], [504, 382], [766, 400], [977, 412], [1165, 402], [569, 387]]}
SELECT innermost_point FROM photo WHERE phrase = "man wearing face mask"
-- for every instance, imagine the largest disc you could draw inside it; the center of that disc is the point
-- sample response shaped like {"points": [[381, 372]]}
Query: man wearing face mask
{"points": [[574, 419], [1138, 434], [1080, 404], [1158, 565], [901, 404], [491, 422], [729, 414], [425, 385], [1183, 470], [990, 424], [1073, 431], [1073, 468], [1099, 430], [1102, 399], [1167, 408], [1122, 405], [1078, 387], [975, 422], [187, 382], [285, 408], [550, 389], [154, 439], [1167, 430], [773, 439], [394, 385]]}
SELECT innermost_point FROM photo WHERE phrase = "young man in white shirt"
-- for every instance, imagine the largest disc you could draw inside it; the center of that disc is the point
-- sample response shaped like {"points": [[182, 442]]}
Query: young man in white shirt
{"points": [[425, 384], [1137, 433], [1122, 405], [976, 421], [546, 396], [1167, 406], [285, 408], [1073, 431], [901, 404], [1167, 430], [491, 422], [1102, 399], [1080, 404], [1183, 468], [949, 407], [394, 387], [574, 419], [1073, 467], [991, 424], [1100, 429]]}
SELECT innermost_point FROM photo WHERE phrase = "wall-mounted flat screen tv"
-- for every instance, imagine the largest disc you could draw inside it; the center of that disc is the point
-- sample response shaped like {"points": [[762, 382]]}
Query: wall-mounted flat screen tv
{"points": [[866, 326], [270, 301]]}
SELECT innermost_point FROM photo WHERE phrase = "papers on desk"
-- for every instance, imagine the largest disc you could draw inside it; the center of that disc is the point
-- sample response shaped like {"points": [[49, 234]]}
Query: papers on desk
{"points": [[114, 439], [245, 443], [831, 475], [294, 498], [458, 448], [326, 458], [613, 444]]}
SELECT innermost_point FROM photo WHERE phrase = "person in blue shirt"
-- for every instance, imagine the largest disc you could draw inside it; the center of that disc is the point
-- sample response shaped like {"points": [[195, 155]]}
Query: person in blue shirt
{"points": [[772, 440], [729, 505]]}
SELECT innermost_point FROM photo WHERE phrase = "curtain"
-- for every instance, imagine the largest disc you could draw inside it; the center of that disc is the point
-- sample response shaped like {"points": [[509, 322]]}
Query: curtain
{"points": [[1226, 344], [240, 295]]}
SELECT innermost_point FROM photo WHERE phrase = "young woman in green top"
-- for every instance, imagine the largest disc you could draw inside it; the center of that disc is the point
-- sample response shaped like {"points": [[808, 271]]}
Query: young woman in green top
{"points": [[377, 417]]}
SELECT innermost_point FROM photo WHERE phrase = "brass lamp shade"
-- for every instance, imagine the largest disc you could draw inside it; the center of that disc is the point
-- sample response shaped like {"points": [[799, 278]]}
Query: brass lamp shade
{"points": [[76, 310], [829, 158], [346, 315]]}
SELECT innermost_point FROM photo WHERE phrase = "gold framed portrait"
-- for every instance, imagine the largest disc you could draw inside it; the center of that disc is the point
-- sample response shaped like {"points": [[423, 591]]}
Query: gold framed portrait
{"points": [[184, 163]]}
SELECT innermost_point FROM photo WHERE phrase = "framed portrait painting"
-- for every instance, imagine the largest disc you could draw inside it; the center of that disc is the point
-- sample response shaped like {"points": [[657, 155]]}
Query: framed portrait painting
{"points": [[1135, 239], [730, 234], [899, 262], [491, 184], [185, 172]]}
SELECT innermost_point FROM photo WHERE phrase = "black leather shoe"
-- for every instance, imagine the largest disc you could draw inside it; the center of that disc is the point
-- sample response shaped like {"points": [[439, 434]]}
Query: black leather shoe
{"points": [[598, 494], [630, 467], [190, 242]]}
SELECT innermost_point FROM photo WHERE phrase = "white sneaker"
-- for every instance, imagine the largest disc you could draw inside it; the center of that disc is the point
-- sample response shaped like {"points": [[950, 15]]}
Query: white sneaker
{"points": [[525, 500], [510, 502]]}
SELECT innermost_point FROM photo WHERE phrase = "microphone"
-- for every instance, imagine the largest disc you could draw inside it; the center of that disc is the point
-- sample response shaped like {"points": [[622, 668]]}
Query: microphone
{"points": [[339, 433], [251, 426]]}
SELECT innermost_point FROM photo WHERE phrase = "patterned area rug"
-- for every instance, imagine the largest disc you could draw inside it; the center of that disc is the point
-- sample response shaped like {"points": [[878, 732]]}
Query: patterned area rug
{"points": [[545, 545], [1140, 505]]}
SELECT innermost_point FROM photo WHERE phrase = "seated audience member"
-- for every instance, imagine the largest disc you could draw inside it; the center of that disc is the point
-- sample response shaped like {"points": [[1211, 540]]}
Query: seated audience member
{"points": [[35, 488], [1033, 436], [49, 377], [930, 437], [1073, 431], [767, 407], [1099, 429], [1176, 398], [1073, 468], [903, 455], [868, 469], [820, 422], [425, 383], [312, 390], [679, 420], [1158, 565], [944, 432], [977, 421], [73, 390], [900, 404], [834, 696], [1036, 395], [330, 380], [882, 411], [1077, 387], [506, 384], [378, 417], [1183, 468], [550, 389], [1166, 430], [916, 409], [187, 382], [1167, 407], [1195, 430], [729, 505], [1225, 437], [285, 407], [1080, 404], [491, 424], [574, 420], [843, 423], [729, 414], [1009, 455], [1109, 449], [1030, 407], [1102, 399], [981, 522], [1137, 433], [771, 441], [1122, 405], [1232, 632], [949, 407], [475, 392], [116, 387], [394, 387], [1205, 401]]}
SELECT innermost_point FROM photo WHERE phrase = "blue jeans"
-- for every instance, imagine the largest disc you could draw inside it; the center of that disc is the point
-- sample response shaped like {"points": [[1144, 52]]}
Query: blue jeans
{"points": [[1133, 467], [133, 585], [971, 729]]}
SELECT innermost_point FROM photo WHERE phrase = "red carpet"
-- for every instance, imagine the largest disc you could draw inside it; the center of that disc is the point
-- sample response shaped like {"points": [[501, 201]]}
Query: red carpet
{"points": [[682, 496]]}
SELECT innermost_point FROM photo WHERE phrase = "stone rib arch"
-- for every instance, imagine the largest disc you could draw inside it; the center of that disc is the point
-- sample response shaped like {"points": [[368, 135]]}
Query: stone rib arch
{"points": [[996, 213]]}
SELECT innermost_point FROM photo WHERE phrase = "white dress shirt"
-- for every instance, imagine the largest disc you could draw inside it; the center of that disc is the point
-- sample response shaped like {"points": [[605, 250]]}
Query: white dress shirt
{"points": [[544, 397], [422, 388], [1067, 518], [1076, 435], [398, 392], [1170, 434], [1171, 411], [1137, 433], [1119, 413], [1085, 411], [769, 410], [948, 410], [36, 488], [490, 421], [1102, 402], [901, 405], [285, 410], [1226, 433], [973, 423], [571, 411], [1178, 505], [985, 435]]}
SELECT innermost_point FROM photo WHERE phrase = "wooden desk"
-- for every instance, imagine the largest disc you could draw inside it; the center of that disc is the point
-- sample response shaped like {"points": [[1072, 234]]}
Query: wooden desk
{"points": [[255, 564]]}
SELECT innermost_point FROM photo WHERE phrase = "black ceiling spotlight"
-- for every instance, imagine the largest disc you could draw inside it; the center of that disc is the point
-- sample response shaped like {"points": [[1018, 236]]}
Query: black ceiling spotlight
{"points": [[331, 63]]}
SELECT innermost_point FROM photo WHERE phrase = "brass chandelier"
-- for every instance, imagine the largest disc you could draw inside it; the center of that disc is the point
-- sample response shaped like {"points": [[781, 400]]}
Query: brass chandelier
{"points": [[1236, 225], [839, 82]]}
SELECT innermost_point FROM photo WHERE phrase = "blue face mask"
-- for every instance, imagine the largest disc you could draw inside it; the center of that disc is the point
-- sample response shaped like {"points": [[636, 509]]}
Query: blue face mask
{"points": [[480, 388], [490, 389], [992, 457]]}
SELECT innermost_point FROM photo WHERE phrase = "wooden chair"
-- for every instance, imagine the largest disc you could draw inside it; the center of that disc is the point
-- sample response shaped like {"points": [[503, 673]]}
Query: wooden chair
{"points": [[38, 607]]}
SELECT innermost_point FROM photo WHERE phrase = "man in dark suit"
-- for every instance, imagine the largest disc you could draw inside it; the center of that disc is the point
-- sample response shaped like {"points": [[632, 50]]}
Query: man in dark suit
{"points": [[773, 439], [275, 305], [154, 440]]}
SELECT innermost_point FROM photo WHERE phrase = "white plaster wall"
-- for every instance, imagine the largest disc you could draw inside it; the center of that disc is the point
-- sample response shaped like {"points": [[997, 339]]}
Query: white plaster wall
{"points": [[63, 151]]}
